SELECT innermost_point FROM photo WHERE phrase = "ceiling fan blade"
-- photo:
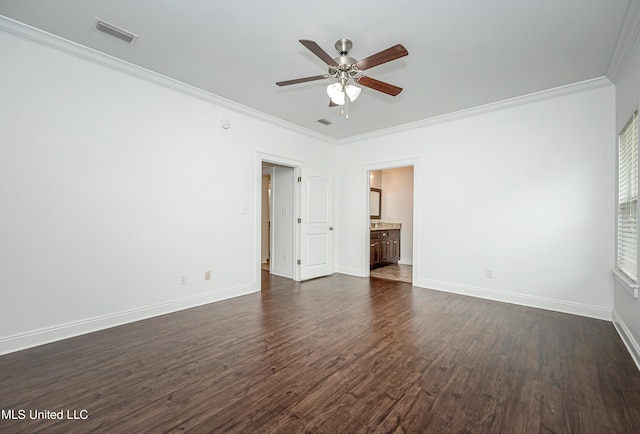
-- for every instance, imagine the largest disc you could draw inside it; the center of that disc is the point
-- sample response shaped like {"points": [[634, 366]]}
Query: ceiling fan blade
{"points": [[332, 104], [300, 80], [318, 51], [380, 86], [393, 53]]}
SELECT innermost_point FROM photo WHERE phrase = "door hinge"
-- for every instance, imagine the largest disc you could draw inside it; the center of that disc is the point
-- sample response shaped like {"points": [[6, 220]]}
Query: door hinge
{"points": [[299, 178], [298, 262], [299, 220]]}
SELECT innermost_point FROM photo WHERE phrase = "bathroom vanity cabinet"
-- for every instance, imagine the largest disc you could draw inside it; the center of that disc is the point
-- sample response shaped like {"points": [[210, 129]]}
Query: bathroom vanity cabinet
{"points": [[384, 247]]}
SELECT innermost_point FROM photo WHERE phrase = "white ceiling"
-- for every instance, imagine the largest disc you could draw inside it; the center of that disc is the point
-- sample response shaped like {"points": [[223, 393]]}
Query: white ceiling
{"points": [[462, 53]]}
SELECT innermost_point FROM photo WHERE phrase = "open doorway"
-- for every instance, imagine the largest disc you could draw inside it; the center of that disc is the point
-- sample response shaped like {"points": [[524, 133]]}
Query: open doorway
{"points": [[391, 200], [299, 230], [277, 252]]}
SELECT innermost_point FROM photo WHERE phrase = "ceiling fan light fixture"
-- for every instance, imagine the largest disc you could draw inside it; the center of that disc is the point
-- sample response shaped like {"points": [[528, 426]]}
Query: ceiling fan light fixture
{"points": [[345, 69], [352, 91], [336, 93]]}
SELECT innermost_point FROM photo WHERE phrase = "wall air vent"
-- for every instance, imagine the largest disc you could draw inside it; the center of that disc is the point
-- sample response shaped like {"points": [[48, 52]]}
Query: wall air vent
{"points": [[115, 31], [324, 121]]}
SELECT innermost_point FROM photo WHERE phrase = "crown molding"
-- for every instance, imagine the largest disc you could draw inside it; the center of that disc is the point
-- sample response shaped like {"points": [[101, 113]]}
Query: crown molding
{"points": [[555, 92], [40, 37], [627, 37]]}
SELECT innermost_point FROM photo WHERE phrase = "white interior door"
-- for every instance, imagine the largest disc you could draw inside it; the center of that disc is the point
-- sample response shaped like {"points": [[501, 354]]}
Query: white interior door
{"points": [[316, 236]]}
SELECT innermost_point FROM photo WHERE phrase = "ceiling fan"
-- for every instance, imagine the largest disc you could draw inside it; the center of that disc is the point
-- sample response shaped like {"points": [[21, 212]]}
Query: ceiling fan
{"points": [[346, 69]]}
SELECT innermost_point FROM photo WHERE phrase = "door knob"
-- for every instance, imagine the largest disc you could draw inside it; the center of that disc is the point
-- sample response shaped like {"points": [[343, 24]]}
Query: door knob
{"points": [[330, 228]]}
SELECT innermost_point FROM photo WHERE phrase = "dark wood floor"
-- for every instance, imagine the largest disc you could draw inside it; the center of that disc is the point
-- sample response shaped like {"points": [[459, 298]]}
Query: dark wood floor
{"points": [[333, 355]]}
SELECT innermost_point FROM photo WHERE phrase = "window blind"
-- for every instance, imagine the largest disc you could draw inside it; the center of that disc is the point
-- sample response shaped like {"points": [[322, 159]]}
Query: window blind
{"points": [[627, 230]]}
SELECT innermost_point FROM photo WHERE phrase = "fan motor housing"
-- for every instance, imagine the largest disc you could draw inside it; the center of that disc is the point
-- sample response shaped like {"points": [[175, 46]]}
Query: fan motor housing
{"points": [[343, 46], [345, 61]]}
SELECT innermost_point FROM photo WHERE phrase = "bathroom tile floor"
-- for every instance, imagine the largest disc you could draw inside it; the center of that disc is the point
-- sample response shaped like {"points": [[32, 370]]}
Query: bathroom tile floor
{"points": [[397, 272]]}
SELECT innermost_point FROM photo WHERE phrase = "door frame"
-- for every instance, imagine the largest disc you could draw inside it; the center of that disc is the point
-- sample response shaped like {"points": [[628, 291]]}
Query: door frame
{"points": [[393, 164], [280, 161]]}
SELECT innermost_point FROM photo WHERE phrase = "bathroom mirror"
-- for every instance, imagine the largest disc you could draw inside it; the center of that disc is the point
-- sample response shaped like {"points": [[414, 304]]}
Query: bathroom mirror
{"points": [[375, 199]]}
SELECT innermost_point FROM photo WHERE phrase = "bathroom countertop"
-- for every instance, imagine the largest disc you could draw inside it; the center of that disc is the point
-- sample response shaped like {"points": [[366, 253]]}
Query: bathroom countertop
{"points": [[381, 226]]}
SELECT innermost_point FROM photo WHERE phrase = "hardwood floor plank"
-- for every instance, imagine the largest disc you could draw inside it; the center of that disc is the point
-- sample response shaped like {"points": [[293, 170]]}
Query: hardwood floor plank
{"points": [[334, 355]]}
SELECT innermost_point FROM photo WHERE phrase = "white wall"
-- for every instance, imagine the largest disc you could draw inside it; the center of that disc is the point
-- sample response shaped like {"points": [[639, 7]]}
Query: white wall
{"points": [[397, 206], [282, 191], [627, 308], [112, 187], [526, 190]]}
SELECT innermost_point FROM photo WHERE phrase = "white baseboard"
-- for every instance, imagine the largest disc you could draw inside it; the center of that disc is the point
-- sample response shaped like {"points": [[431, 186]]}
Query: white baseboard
{"points": [[520, 299], [34, 338], [286, 274], [627, 338], [350, 271]]}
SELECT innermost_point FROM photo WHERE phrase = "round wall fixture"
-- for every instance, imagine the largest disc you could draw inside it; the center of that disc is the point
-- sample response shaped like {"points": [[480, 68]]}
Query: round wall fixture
{"points": [[224, 123]]}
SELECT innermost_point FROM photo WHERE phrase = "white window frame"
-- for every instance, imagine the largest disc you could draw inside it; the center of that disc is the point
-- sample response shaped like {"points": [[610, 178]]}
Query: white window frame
{"points": [[627, 205]]}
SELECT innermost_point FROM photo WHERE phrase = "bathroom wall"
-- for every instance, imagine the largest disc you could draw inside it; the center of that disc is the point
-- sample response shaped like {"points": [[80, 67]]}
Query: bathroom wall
{"points": [[397, 206]]}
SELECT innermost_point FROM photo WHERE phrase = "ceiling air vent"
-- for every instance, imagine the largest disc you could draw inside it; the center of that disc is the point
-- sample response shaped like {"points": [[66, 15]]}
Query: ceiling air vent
{"points": [[115, 31], [324, 121]]}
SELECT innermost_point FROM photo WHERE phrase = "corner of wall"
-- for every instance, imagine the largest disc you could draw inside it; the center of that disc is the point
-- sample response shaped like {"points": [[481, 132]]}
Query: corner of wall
{"points": [[627, 337], [518, 299], [626, 40]]}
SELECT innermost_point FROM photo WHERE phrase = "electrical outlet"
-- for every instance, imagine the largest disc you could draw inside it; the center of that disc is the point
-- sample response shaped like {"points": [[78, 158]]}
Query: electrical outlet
{"points": [[207, 275], [488, 273], [183, 279]]}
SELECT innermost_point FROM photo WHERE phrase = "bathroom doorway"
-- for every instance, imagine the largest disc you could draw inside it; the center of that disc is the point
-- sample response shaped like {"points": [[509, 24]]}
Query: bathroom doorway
{"points": [[391, 225]]}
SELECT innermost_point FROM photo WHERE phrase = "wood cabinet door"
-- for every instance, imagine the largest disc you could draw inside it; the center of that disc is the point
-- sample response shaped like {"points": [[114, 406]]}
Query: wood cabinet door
{"points": [[395, 249], [385, 250], [374, 253]]}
